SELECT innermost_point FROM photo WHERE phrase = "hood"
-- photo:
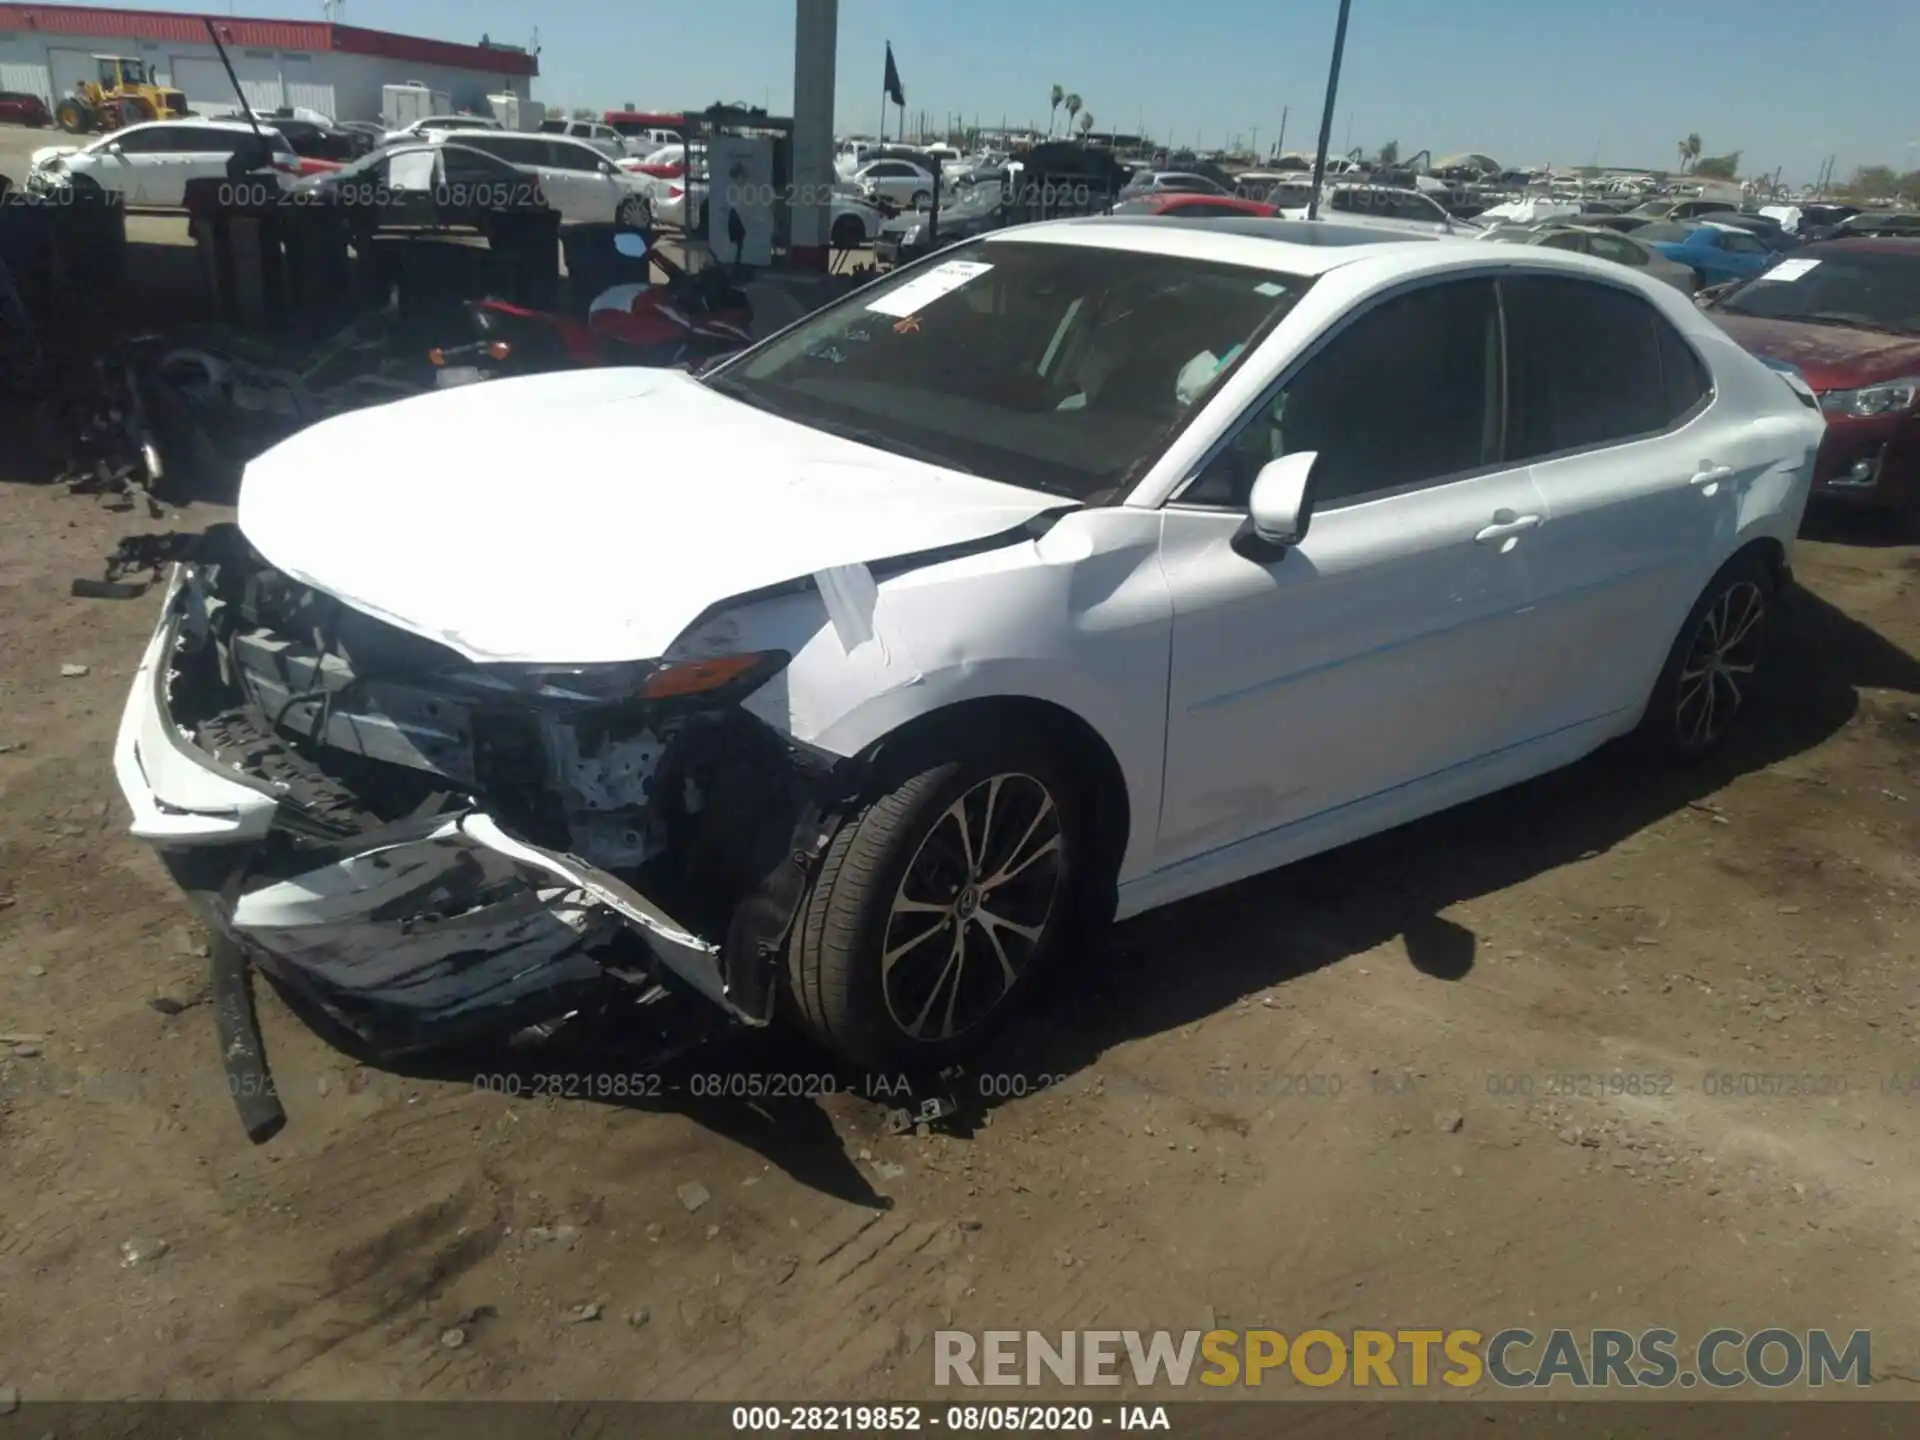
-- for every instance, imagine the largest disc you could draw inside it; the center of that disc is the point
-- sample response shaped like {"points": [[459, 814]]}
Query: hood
{"points": [[45, 153], [589, 516], [1831, 357]]}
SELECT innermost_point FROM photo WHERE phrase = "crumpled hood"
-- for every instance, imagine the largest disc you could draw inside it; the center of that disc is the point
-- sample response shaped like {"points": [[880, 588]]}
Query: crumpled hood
{"points": [[592, 515], [38, 160], [1831, 357]]}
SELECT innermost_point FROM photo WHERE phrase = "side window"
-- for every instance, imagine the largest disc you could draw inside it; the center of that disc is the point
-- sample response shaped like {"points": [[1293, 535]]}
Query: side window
{"points": [[1406, 394], [1566, 241], [1585, 365], [143, 142], [1741, 244], [565, 155], [1687, 384]]}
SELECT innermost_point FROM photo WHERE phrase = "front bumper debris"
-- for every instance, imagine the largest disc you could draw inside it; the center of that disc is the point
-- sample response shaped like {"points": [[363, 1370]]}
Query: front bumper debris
{"points": [[391, 893]]}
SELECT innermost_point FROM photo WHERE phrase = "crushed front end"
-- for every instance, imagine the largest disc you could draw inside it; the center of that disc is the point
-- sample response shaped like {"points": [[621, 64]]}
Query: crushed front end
{"points": [[436, 851]]}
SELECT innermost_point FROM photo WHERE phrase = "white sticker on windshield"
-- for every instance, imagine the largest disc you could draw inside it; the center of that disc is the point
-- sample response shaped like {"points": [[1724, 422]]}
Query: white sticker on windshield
{"points": [[1269, 289], [1789, 270], [923, 290]]}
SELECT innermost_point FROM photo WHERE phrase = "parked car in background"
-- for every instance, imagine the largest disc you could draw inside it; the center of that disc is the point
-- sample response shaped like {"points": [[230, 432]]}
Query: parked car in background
{"points": [[1714, 253], [1620, 249], [602, 137], [429, 184], [1161, 182], [974, 211], [582, 183], [424, 128], [1884, 223], [1387, 207], [149, 165], [1764, 228], [1624, 223], [899, 183], [1194, 207], [1680, 209], [20, 108], [1846, 314], [1067, 574]]}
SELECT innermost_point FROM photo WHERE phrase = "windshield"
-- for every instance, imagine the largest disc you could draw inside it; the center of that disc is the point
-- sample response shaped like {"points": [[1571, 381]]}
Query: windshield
{"points": [[1667, 232], [1055, 367], [1864, 288]]}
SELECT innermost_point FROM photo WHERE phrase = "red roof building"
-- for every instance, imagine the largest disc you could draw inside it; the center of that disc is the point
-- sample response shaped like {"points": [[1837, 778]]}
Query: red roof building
{"points": [[338, 69]]}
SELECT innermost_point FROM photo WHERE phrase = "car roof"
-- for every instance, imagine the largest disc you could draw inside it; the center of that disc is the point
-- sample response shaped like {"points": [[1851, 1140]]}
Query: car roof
{"points": [[1299, 247]]}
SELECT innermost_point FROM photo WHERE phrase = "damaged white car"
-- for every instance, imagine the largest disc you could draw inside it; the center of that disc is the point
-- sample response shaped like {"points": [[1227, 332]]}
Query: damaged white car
{"points": [[1073, 571]]}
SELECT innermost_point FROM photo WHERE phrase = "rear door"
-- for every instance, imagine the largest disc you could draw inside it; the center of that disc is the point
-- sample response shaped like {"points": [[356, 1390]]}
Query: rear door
{"points": [[577, 187], [1641, 478]]}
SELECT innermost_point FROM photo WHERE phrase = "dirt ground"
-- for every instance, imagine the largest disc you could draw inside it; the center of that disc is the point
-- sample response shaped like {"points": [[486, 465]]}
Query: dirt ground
{"points": [[1329, 1096]]}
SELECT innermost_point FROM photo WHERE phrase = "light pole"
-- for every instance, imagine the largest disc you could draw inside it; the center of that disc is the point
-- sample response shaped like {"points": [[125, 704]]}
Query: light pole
{"points": [[1326, 116]]}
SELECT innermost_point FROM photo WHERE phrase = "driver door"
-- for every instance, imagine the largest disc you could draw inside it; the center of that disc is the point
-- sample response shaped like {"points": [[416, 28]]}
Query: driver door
{"points": [[1376, 654]]}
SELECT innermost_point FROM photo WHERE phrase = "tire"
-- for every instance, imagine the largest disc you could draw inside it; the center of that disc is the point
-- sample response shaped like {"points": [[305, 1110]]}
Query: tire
{"points": [[1718, 666], [73, 117], [904, 849], [135, 110], [847, 233], [922, 199], [635, 213], [1699, 282]]}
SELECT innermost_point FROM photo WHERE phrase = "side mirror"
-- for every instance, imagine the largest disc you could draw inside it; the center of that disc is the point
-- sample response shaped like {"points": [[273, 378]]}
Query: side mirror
{"points": [[1279, 505], [607, 167], [116, 148]]}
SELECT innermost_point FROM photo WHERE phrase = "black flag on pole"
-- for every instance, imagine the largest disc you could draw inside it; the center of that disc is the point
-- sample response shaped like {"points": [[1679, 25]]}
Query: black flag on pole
{"points": [[895, 92]]}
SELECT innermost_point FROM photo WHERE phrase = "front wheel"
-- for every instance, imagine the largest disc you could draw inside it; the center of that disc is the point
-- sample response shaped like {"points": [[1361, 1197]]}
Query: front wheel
{"points": [[937, 903], [848, 233], [1716, 667], [73, 117], [922, 199], [635, 213]]}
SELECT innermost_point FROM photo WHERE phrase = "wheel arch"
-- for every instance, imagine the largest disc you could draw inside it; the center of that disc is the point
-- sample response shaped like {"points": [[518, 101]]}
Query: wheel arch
{"points": [[1106, 801]]}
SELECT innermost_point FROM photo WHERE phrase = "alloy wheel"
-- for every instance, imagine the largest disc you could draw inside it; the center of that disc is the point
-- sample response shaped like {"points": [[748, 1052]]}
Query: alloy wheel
{"points": [[973, 907], [1717, 676]]}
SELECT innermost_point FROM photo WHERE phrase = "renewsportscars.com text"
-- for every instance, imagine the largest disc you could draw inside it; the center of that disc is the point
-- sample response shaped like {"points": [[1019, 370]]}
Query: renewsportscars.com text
{"points": [[1512, 1359]]}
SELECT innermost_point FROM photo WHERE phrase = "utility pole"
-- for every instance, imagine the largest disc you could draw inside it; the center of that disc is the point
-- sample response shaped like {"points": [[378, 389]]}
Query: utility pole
{"points": [[1326, 115], [1256, 143], [1280, 145]]}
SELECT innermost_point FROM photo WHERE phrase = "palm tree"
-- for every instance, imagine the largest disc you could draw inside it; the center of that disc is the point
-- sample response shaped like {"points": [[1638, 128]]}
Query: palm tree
{"points": [[1689, 151], [1086, 124], [1072, 106], [1058, 95], [1390, 154]]}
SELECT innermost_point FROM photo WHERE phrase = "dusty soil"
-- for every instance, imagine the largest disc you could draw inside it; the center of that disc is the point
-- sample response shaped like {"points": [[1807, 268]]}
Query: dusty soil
{"points": [[1324, 1097]]}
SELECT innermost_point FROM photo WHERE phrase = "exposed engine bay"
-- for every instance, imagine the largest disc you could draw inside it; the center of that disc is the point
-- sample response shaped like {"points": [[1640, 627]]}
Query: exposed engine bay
{"points": [[458, 848]]}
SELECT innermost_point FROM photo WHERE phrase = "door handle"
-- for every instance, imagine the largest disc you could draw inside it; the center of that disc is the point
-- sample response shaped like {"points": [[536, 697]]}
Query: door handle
{"points": [[1710, 474], [1506, 524]]}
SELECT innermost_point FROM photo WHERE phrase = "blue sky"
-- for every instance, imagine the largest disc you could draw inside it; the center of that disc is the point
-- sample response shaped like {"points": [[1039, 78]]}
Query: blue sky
{"points": [[1785, 81]]}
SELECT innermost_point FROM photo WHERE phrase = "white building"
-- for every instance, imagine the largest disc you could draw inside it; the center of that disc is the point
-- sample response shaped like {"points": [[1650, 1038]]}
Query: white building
{"points": [[336, 69]]}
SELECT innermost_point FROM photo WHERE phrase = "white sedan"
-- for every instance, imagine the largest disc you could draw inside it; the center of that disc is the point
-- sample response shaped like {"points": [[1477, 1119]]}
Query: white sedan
{"points": [[900, 183], [580, 182], [150, 165], [1074, 571]]}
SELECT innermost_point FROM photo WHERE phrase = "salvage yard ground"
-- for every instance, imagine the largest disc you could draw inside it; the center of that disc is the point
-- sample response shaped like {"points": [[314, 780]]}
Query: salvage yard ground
{"points": [[1383, 1088]]}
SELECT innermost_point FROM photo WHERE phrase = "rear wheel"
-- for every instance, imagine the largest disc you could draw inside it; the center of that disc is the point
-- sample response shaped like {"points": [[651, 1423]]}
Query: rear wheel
{"points": [[135, 110], [938, 902], [1717, 665], [922, 199]]}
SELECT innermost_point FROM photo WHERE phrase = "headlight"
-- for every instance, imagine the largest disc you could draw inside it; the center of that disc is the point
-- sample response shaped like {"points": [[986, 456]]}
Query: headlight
{"points": [[910, 236], [638, 680], [1887, 398]]}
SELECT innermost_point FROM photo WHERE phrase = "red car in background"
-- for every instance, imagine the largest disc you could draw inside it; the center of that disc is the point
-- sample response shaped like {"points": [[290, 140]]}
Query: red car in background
{"points": [[1846, 315], [19, 108], [1189, 207]]}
